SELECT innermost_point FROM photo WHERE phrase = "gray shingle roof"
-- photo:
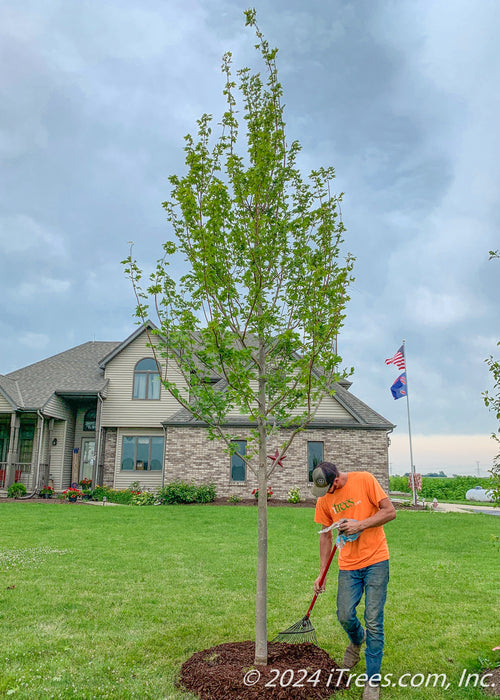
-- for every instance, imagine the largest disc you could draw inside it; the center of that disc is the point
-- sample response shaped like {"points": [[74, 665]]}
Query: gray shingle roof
{"points": [[74, 370], [362, 416]]}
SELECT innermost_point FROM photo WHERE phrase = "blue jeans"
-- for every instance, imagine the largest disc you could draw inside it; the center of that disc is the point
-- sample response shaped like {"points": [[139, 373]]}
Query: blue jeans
{"points": [[373, 581]]}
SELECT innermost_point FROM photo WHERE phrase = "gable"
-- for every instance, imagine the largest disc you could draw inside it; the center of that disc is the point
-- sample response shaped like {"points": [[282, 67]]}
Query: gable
{"points": [[5, 406], [331, 409], [120, 408]]}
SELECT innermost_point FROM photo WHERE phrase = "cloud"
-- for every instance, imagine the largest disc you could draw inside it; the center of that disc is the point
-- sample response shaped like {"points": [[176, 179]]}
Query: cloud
{"points": [[400, 97], [438, 309], [34, 340], [45, 286], [21, 233]]}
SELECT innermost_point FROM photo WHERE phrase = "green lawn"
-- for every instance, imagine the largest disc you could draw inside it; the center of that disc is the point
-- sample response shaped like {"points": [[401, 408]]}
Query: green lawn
{"points": [[100, 602]]}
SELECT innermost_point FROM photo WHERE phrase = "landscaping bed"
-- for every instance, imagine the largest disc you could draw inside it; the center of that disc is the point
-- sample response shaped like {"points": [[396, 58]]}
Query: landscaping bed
{"points": [[293, 671]]}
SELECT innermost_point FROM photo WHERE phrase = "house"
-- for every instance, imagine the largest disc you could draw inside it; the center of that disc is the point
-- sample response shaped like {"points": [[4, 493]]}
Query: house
{"points": [[100, 411]]}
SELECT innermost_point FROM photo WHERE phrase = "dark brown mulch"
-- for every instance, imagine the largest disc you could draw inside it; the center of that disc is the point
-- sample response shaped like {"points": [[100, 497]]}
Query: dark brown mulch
{"points": [[294, 671], [492, 682], [404, 506], [38, 500]]}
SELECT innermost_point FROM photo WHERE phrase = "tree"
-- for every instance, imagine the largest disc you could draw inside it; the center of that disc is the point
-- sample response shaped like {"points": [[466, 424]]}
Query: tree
{"points": [[264, 294], [492, 401]]}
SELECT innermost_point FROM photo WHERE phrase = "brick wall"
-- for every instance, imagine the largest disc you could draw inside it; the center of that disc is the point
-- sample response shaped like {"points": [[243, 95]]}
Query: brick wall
{"points": [[109, 454], [190, 456]]}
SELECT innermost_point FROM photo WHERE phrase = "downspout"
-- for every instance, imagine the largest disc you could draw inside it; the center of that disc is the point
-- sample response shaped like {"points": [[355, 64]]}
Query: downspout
{"points": [[164, 452], [99, 441]]}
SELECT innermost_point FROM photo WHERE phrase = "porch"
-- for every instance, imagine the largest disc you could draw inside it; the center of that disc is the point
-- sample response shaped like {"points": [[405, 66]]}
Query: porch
{"points": [[24, 473]]}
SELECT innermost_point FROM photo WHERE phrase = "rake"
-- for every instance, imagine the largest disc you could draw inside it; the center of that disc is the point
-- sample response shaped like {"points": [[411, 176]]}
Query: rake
{"points": [[303, 630]]}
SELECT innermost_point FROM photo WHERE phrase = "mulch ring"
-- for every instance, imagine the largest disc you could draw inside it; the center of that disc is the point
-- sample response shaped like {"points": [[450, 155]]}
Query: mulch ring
{"points": [[492, 681], [405, 506], [293, 671]]}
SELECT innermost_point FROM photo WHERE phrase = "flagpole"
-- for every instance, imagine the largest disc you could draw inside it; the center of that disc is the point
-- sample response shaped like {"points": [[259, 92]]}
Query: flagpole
{"points": [[412, 466]]}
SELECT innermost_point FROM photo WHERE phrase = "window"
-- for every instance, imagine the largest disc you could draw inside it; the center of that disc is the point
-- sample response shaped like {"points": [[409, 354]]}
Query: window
{"points": [[146, 380], [26, 435], [142, 453], [314, 456], [89, 420], [238, 466]]}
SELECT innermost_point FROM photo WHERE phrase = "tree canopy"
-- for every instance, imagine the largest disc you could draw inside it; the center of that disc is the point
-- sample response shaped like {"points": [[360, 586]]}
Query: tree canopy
{"points": [[263, 288]]}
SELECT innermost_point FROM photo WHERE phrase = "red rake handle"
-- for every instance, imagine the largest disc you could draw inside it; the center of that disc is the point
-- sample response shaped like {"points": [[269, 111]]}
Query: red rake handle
{"points": [[322, 580]]}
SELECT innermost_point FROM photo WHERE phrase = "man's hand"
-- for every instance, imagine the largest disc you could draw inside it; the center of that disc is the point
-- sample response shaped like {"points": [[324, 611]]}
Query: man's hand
{"points": [[349, 526], [317, 588]]}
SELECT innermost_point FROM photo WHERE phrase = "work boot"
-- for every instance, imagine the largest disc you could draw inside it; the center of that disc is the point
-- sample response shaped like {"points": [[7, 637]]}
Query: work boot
{"points": [[352, 654], [371, 692]]}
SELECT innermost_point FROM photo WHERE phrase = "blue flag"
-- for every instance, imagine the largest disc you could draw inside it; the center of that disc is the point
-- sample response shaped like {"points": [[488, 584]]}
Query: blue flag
{"points": [[398, 389]]}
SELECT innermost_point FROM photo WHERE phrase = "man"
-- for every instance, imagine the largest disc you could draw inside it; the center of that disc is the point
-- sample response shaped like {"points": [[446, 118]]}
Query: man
{"points": [[357, 503]]}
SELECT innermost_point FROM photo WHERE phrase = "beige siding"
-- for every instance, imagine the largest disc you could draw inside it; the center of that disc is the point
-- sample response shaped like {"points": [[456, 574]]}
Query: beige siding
{"points": [[328, 408], [254, 385], [60, 455], [56, 407], [331, 408], [122, 480], [5, 406], [57, 453], [120, 409]]}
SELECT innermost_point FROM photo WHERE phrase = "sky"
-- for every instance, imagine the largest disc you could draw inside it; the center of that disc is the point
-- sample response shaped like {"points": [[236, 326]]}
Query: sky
{"points": [[400, 96]]}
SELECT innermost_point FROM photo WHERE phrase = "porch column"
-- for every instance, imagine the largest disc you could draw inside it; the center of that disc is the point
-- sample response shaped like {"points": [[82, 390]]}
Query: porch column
{"points": [[38, 463], [12, 454]]}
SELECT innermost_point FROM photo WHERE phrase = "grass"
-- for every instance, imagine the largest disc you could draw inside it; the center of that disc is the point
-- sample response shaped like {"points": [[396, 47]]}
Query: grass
{"points": [[108, 602]]}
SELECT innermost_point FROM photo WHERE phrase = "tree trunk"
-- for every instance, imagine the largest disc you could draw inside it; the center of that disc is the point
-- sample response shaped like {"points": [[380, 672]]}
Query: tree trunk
{"points": [[261, 597]]}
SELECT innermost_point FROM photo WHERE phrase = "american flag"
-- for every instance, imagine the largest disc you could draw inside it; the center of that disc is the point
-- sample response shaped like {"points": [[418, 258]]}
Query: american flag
{"points": [[398, 359]]}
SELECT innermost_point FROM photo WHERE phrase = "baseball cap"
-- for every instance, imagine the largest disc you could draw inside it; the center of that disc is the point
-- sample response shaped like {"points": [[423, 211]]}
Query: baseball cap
{"points": [[323, 477]]}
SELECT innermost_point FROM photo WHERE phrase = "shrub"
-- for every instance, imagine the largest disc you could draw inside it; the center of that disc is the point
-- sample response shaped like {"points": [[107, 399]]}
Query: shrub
{"points": [[447, 489], [494, 482], [99, 492], [16, 490], [182, 492], [234, 499], [144, 498], [178, 492], [122, 496], [294, 495], [399, 483], [205, 494]]}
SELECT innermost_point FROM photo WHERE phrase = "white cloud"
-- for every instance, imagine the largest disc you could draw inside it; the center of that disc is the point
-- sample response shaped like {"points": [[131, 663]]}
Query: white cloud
{"points": [[434, 308], [34, 340], [21, 233], [42, 287]]}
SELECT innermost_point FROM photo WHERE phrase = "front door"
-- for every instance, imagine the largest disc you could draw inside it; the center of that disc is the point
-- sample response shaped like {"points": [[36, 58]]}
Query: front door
{"points": [[87, 459]]}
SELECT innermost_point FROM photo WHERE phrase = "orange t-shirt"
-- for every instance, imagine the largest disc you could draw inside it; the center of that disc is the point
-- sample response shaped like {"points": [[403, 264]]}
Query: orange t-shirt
{"points": [[358, 499]]}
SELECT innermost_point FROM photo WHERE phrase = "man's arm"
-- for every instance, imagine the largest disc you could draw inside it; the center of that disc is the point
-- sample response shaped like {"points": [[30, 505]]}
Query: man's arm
{"points": [[386, 512], [325, 549]]}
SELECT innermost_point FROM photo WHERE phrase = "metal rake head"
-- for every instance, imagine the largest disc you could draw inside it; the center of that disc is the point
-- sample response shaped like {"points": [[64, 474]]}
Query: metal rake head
{"points": [[301, 631]]}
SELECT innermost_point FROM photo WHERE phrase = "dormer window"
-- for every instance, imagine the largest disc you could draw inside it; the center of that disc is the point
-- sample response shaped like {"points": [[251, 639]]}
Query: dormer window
{"points": [[146, 379]]}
